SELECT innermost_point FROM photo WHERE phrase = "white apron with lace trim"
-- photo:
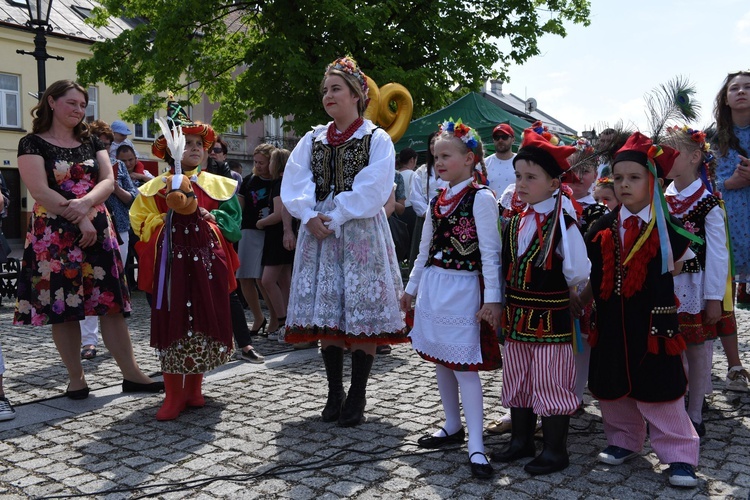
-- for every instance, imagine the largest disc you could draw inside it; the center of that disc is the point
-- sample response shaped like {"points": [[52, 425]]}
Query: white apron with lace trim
{"points": [[445, 324]]}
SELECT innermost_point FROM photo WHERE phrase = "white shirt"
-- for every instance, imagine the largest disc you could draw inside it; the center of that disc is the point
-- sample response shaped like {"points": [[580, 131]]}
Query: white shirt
{"points": [[645, 217], [371, 188], [576, 264], [717, 255], [500, 173], [408, 176], [418, 195], [485, 218]]}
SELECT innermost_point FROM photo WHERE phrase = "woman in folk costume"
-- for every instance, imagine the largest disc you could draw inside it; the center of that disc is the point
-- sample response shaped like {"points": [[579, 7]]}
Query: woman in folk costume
{"points": [[186, 223], [346, 280]]}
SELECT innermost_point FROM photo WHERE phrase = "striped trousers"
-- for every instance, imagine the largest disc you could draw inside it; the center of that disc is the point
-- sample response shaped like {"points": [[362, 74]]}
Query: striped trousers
{"points": [[539, 376], [672, 435]]}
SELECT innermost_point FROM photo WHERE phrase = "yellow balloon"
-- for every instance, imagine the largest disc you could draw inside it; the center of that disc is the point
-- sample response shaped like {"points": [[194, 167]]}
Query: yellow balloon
{"points": [[379, 109]]}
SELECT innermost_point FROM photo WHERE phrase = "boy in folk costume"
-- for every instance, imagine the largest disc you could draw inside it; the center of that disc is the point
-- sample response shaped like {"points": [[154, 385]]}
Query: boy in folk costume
{"points": [[544, 256], [636, 370]]}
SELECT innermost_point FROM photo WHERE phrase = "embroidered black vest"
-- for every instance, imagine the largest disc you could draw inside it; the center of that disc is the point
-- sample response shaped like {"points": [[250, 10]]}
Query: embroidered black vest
{"points": [[455, 235], [537, 301], [695, 222], [334, 168]]}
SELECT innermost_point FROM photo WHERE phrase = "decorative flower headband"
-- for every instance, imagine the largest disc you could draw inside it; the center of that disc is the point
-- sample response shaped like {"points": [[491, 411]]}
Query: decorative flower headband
{"points": [[458, 129], [605, 182], [348, 65]]}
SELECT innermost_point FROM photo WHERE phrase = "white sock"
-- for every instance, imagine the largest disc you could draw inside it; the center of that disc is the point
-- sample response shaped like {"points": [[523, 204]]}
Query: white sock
{"points": [[698, 366], [473, 403], [448, 387]]}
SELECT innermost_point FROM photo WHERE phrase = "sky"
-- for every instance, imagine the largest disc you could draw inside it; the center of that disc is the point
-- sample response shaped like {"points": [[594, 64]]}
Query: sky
{"points": [[599, 74]]}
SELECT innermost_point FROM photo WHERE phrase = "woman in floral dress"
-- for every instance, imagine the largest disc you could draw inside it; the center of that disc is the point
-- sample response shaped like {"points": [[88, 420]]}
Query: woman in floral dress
{"points": [[71, 264], [346, 280]]}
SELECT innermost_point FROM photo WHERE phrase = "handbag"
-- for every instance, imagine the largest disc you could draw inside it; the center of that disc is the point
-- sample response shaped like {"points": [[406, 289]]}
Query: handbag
{"points": [[401, 237]]}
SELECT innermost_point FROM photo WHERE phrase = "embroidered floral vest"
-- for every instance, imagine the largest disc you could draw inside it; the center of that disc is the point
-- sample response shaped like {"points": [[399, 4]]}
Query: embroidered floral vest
{"points": [[334, 168], [537, 301], [456, 237], [695, 222]]}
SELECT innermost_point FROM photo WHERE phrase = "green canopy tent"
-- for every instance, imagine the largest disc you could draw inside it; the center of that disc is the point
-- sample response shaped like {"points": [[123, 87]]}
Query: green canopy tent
{"points": [[475, 111]]}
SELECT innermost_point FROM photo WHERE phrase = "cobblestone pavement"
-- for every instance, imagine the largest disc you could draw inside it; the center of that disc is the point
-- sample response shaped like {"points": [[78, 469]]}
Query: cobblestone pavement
{"points": [[260, 435]]}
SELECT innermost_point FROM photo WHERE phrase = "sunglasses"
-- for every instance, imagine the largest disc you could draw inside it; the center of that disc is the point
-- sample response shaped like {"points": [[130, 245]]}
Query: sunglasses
{"points": [[217, 150], [499, 137]]}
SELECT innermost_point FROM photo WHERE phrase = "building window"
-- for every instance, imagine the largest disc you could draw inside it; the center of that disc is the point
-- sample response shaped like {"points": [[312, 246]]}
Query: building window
{"points": [[10, 110], [92, 110], [147, 128], [234, 130]]}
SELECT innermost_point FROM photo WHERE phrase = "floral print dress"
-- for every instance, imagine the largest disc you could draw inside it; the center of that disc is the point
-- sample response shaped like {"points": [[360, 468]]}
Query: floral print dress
{"points": [[737, 203], [59, 280]]}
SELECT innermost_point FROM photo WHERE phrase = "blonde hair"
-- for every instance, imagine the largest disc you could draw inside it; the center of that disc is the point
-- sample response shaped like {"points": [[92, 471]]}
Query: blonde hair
{"points": [[478, 150], [265, 150], [279, 157]]}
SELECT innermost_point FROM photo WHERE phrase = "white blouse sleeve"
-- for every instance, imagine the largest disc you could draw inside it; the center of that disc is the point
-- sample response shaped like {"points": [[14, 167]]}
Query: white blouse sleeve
{"points": [[486, 218], [371, 187], [576, 265], [421, 260], [717, 256], [297, 183], [417, 196]]}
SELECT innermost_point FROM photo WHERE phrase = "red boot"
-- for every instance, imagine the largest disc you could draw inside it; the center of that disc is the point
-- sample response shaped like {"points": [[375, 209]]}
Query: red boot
{"points": [[174, 402], [193, 393]]}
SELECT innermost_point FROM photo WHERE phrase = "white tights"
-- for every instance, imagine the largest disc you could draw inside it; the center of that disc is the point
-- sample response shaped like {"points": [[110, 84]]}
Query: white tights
{"points": [[699, 378], [449, 382]]}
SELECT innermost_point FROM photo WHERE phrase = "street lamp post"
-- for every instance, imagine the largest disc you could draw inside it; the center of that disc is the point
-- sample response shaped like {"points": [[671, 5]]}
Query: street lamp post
{"points": [[39, 20]]}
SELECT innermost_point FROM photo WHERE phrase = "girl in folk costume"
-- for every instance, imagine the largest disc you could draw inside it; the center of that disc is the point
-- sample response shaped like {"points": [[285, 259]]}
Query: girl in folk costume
{"points": [[604, 193], [544, 256], [636, 371], [346, 280], [457, 279], [704, 294], [186, 223]]}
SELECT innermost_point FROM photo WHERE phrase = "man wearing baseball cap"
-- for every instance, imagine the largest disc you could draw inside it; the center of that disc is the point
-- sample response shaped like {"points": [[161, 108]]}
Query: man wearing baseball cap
{"points": [[500, 172]]}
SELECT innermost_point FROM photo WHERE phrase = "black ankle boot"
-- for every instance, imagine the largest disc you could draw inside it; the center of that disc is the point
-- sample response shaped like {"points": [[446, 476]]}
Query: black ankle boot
{"points": [[354, 407], [554, 455], [333, 358], [523, 425]]}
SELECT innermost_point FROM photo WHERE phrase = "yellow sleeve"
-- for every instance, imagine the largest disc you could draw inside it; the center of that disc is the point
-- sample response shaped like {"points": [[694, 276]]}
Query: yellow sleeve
{"points": [[145, 218]]}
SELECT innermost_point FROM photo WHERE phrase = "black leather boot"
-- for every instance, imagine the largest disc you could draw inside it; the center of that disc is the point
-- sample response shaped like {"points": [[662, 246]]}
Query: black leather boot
{"points": [[554, 455], [333, 358], [523, 425], [354, 407]]}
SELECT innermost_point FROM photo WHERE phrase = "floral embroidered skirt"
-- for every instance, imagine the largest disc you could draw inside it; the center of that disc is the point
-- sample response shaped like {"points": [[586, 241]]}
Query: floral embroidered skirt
{"points": [[346, 288]]}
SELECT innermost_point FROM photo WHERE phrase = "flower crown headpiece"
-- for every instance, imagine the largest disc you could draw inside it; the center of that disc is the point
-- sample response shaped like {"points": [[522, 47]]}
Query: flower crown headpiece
{"points": [[348, 65], [605, 182], [459, 129], [699, 137]]}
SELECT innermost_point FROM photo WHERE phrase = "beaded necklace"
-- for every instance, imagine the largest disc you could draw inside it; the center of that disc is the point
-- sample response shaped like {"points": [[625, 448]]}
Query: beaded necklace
{"points": [[452, 203], [679, 206], [336, 138]]}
